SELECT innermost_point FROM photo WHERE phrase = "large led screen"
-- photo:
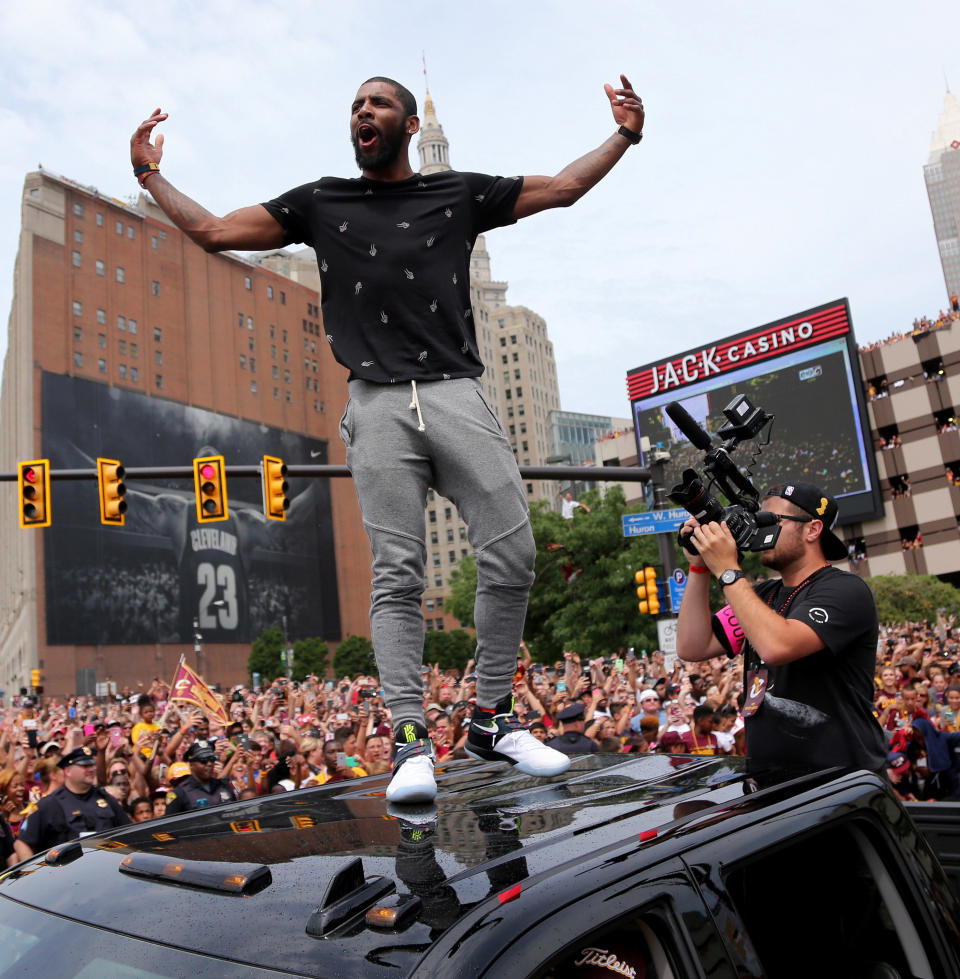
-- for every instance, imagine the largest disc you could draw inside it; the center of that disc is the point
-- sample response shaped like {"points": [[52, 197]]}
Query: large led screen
{"points": [[803, 370], [163, 576]]}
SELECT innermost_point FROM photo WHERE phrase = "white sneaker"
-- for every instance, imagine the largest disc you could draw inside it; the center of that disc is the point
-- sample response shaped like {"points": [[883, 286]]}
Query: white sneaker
{"points": [[413, 779], [504, 738]]}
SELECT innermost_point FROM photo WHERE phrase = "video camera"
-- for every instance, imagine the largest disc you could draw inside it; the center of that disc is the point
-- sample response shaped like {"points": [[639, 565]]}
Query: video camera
{"points": [[744, 422]]}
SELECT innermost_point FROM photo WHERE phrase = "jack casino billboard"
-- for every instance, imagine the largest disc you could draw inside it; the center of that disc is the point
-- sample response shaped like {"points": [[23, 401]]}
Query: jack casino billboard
{"points": [[163, 575], [804, 369]]}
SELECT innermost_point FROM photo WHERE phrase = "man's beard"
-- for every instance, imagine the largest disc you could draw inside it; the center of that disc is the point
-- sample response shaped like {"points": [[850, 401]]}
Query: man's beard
{"points": [[390, 146]]}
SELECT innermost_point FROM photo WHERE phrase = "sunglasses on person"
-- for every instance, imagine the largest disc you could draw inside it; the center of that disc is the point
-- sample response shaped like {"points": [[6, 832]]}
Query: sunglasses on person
{"points": [[778, 517]]}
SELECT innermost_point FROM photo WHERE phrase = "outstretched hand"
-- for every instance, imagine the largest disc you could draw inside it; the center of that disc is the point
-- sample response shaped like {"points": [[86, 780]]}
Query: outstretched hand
{"points": [[141, 149], [626, 105]]}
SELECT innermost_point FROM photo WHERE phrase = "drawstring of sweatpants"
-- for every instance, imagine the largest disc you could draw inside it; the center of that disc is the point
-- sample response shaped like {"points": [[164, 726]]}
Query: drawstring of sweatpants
{"points": [[415, 403]]}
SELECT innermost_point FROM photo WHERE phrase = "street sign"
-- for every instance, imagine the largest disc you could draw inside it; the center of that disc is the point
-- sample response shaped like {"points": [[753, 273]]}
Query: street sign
{"points": [[667, 636], [678, 585], [653, 522]]}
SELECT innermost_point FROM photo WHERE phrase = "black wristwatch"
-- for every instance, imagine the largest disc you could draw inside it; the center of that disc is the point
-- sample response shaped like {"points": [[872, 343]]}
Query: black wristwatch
{"points": [[730, 576]]}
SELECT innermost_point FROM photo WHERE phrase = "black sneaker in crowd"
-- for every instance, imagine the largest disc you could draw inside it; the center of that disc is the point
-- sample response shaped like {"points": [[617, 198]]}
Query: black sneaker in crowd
{"points": [[499, 736], [413, 762]]}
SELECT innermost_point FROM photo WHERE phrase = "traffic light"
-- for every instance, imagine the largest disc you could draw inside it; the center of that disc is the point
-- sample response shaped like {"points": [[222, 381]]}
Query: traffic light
{"points": [[210, 482], [33, 482], [646, 580], [112, 489], [275, 486], [34, 679]]}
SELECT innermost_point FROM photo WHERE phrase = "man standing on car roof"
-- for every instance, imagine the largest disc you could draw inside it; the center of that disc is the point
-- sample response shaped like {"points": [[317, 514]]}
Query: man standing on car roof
{"points": [[809, 638], [78, 808], [393, 249], [200, 790]]}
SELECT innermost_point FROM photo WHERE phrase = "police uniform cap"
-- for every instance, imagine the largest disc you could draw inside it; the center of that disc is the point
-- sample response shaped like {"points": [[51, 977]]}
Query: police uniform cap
{"points": [[572, 713], [79, 756], [201, 751]]}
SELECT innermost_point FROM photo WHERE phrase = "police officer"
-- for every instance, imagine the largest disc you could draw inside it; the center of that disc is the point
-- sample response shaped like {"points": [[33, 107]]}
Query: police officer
{"points": [[200, 789], [573, 741], [78, 808]]}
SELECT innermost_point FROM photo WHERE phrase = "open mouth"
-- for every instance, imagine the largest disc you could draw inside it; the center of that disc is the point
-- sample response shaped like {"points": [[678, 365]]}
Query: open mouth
{"points": [[367, 135]]}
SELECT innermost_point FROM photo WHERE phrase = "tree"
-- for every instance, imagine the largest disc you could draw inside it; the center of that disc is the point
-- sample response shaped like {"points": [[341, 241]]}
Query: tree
{"points": [[463, 590], [353, 656], [913, 597], [449, 650], [310, 656], [264, 655]]}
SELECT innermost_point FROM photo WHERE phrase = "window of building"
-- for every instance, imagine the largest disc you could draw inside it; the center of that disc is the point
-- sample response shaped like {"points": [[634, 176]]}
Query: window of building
{"points": [[251, 344], [77, 308], [121, 323], [99, 220], [283, 298], [101, 267], [436, 560], [131, 326], [78, 360], [253, 387], [122, 346], [158, 381], [438, 581], [121, 274], [155, 244], [157, 334], [284, 336], [289, 398], [276, 394], [432, 516], [101, 316], [269, 292], [130, 231], [434, 538], [78, 333], [240, 319], [273, 351], [243, 362], [134, 374], [102, 340], [449, 535], [286, 356], [253, 365], [78, 236], [78, 210], [158, 358], [273, 331], [247, 282], [133, 350], [119, 227], [102, 366], [447, 513], [155, 287], [122, 370], [249, 322]]}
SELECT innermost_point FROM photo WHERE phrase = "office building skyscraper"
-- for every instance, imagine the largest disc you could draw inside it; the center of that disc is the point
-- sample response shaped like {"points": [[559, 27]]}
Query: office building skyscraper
{"points": [[942, 176]]}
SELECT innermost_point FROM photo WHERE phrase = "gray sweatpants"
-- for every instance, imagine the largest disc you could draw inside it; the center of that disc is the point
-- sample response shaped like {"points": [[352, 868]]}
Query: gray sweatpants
{"points": [[463, 454]]}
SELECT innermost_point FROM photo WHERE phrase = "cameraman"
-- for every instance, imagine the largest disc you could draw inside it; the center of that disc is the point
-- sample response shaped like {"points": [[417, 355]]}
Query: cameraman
{"points": [[809, 639]]}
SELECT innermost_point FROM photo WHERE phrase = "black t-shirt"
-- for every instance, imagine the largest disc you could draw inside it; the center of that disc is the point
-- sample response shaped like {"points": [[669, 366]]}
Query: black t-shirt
{"points": [[394, 260], [818, 710]]}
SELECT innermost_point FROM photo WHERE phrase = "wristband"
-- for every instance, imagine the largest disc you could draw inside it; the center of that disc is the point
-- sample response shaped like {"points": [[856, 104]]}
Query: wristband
{"points": [[144, 171], [728, 631], [698, 569], [630, 135]]}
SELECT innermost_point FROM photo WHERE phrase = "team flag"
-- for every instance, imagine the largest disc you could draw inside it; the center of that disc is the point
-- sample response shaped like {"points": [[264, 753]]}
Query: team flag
{"points": [[189, 687]]}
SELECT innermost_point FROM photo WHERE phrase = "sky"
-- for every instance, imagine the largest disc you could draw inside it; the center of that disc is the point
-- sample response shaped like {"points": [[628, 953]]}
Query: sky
{"points": [[781, 166]]}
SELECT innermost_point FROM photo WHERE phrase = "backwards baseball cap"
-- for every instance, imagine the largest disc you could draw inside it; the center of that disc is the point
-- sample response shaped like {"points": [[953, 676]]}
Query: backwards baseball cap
{"points": [[812, 500]]}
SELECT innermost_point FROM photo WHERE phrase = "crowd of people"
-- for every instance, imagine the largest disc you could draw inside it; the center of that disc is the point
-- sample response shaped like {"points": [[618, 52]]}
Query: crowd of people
{"points": [[144, 755], [921, 326]]}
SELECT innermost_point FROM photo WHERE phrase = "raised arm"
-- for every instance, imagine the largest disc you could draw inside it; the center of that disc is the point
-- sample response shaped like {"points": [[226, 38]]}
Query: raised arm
{"points": [[249, 228], [573, 181]]}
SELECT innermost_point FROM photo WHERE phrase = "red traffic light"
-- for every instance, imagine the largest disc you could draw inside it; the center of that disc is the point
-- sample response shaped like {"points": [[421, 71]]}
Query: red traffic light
{"points": [[208, 471]]}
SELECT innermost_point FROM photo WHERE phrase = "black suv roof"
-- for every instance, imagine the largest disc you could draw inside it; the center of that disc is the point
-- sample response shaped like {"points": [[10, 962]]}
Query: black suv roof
{"points": [[276, 883]]}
